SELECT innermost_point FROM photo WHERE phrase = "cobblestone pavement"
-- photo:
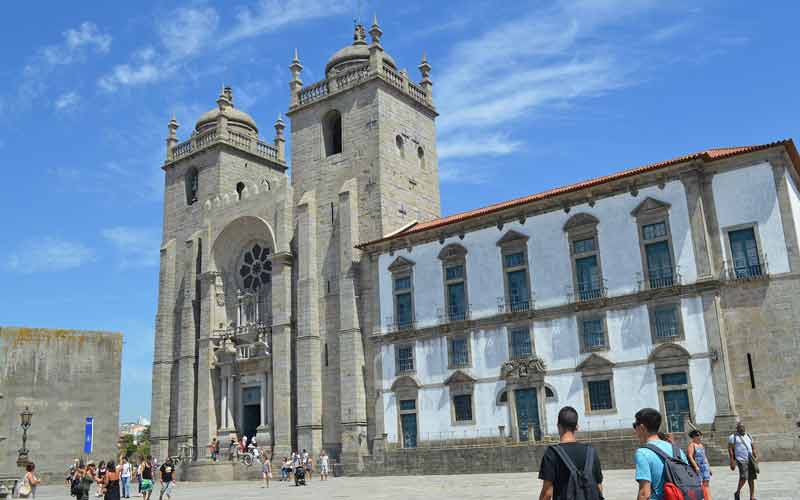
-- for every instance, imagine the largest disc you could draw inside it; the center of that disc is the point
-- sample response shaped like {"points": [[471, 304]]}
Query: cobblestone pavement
{"points": [[779, 481]]}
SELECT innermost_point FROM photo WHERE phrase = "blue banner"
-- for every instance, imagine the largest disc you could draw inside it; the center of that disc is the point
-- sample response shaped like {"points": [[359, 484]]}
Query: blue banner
{"points": [[88, 436]]}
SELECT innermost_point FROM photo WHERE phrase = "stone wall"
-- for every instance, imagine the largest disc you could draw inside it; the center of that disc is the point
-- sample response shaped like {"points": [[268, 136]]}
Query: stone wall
{"points": [[63, 376]]}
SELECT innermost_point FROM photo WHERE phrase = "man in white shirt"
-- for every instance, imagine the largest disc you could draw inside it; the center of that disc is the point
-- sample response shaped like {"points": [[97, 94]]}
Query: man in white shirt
{"points": [[740, 449], [323, 465], [125, 478]]}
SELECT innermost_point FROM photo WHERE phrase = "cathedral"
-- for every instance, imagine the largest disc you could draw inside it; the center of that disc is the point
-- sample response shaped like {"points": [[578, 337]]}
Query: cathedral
{"points": [[336, 309]]}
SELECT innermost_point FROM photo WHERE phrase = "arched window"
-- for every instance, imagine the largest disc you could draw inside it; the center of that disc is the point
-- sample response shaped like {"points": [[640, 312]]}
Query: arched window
{"points": [[239, 189], [332, 131], [421, 157], [192, 183], [400, 145]]}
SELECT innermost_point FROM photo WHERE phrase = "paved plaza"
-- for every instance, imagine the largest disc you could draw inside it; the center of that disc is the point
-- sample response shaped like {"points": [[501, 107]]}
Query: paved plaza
{"points": [[779, 481]]}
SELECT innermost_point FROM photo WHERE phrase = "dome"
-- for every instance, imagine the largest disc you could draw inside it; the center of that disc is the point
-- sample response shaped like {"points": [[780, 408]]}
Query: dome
{"points": [[235, 116], [354, 55]]}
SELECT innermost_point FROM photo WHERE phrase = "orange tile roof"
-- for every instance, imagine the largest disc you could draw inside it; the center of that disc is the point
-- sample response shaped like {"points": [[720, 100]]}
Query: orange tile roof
{"points": [[708, 155]]}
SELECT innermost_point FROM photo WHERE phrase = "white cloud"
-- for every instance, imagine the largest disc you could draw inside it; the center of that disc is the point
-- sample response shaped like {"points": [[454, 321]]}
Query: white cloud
{"points": [[462, 173], [548, 58], [127, 75], [76, 41], [48, 255], [187, 30], [68, 100], [137, 246], [270, 15]]}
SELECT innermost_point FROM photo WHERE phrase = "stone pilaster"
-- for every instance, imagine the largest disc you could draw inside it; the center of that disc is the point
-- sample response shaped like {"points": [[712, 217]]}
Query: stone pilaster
{"points": [[351, 349], [721, 374], [779, 170], [716, 257], [187, 350], [163, 353], [207, 372], [309, 361], [281, 396], [697, 223]]}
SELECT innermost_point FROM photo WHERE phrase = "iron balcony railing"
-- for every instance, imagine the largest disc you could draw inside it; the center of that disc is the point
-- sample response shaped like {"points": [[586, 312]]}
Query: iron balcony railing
{"points": [[400, 324], [454, 312], [660, 277], [739, 270], [514, 304], [667, 329], [587, 291]]}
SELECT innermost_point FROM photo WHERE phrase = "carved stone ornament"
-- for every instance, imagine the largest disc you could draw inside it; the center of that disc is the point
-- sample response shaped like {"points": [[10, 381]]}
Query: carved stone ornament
{"points": [[219, 290], [522, 369]]}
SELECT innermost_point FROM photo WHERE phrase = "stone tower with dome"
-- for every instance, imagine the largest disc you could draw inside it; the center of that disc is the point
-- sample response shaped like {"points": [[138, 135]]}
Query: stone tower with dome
{"points": [[265, 304]]}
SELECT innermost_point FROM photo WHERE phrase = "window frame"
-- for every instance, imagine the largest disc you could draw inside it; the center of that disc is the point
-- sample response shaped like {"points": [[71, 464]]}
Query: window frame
{"points": [[651, 311], [594, 380], [405, 388], [513, 242], [191, 185], [592, 316], [580, 227], [730, 268], [456, 420], [510, 329], [461, 384], [454, 255], [467, 338], [399, 269], [397, 348], [652, 211], [328, 128], [593, 369]]}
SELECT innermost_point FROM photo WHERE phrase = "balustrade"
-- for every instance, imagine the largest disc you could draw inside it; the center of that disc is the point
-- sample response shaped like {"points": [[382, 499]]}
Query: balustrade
{"points": [[515, 304], [660, 277], [749, 269]]}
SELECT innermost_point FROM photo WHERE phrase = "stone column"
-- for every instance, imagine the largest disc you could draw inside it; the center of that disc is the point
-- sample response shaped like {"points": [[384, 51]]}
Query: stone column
{"points": [[309, 361], [231, 405], [351, 350], [281, 349], [263, 432], [721, 374], [163, 354], [223, 402], [697, 223], [779, 171]]}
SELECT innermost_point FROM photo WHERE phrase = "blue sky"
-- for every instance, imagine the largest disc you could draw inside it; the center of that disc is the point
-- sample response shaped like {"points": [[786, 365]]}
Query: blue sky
{"points": [[532, 95]]}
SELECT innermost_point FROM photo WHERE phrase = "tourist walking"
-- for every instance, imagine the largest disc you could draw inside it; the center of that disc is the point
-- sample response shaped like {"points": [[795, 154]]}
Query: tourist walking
{"points": [[167, 479], [213, 449], [29, 482], [696, 453], [146, 475], [309, 465], [111, 482], [742, 453], [649, 465], [86, 479], [100, 478], [125, 478], [266, 471], [285, 469], [563, 464], [232, 447], [323, 465]]}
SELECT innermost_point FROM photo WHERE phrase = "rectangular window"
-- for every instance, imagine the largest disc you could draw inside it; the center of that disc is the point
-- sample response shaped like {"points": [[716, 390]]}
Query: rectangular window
{"points": [[744, 253], [678, 378], [659, 265], [600, 395], [654, 231], [593, 336], [404, 310], [520, 343], [405, 358], [515, 259], [590, 285], [403, 283], [454, 272], [462, 405], [666, 324], [408, 404], [518, 290], [459, 352], [456, 301], [583, 246]]}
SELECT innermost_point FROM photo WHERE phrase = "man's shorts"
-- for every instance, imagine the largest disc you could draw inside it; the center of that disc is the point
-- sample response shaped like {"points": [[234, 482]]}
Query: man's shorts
{"points": [[746, 472]]}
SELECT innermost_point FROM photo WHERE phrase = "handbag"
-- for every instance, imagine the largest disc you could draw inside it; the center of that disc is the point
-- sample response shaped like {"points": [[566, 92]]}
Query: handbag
{"points": [[24, 490], [752, 462]]}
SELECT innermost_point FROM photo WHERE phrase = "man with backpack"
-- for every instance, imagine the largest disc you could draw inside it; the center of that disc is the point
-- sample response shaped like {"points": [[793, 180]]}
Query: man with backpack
{"points": [[742, 453], [662, 470], [570, 470]]}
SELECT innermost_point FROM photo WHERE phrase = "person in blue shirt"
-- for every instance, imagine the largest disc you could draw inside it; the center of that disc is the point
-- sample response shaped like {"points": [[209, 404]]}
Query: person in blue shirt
{"points": [[649, 467]]}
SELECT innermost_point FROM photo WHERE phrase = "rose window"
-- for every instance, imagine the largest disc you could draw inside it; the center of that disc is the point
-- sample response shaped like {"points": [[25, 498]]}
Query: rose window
{"points": [[255, 267]]}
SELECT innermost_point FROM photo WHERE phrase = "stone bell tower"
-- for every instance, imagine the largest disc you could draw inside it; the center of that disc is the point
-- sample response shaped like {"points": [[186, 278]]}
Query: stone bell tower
{"points": [[364, 164]]}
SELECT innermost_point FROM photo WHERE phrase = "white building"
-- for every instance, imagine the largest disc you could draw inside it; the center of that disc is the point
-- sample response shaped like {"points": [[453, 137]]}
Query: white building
{"points": [[604, 295]]}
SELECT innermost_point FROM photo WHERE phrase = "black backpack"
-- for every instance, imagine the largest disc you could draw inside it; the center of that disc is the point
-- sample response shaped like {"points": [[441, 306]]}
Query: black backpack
{"points": [[680, 479], [581, 485]]}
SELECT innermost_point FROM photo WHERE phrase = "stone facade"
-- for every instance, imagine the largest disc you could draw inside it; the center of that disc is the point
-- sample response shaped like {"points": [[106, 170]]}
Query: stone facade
{"points": [[63, 376]]}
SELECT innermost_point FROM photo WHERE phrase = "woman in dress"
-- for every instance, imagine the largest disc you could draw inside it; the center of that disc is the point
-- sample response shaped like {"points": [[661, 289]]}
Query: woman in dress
{"points": [[111, 482], [146, 474], [697, 457], [266, 471], [29, 482]]}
